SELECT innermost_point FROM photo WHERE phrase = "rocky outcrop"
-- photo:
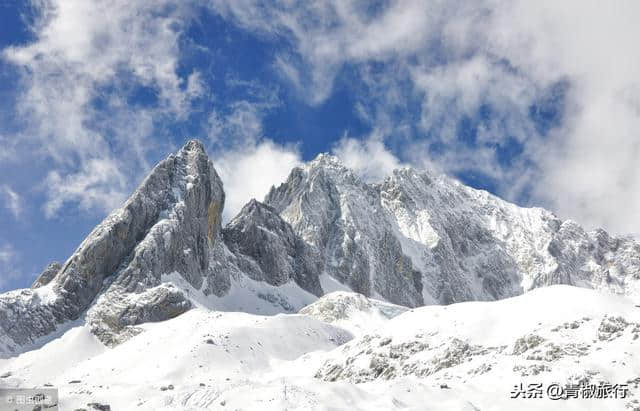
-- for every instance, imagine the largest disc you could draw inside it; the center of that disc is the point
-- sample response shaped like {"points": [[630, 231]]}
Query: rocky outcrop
{"points": [[268, 249], [340, 305], [334, 211], [172, 222], [558, 331], [50, 271], [421, 238], [471, 245], [185, 231]]}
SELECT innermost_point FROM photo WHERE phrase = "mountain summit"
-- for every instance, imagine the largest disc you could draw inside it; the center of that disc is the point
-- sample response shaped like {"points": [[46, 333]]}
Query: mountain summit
{"points": [[415, 239], [171, 223]]}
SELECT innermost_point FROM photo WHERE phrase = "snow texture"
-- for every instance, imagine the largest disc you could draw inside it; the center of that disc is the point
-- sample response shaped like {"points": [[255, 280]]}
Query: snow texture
{"points": [[401, 287], [465, 356]]}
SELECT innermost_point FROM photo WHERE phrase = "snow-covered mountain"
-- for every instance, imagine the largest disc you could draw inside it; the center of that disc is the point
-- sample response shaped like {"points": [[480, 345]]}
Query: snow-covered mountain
{"points": [[161, 275], [465, 356], [419, 238]]}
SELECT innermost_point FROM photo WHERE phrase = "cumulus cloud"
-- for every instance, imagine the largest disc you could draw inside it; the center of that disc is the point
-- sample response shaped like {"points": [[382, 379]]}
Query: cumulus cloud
{"points": [[250, 171], [590, 166], [248, 162], [367, 157], [453, 60], [88, 58], [419, 70]]}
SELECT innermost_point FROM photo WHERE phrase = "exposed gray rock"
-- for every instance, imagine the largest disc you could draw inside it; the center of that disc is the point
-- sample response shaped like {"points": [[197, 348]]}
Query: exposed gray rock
{"points": [[338, 306], [374, 357], [338, 214], [526, 343], [47, 275], [171, 223], [98, 406], [551, 351], [181, 240], [270, 251], [531, 370], [471, 245], [611, 328], [458, 256], [417, 238], [421, 238]]}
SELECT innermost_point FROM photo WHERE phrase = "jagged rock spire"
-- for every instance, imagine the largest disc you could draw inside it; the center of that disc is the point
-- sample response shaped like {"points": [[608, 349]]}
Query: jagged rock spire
{"points": [[170, 223]]}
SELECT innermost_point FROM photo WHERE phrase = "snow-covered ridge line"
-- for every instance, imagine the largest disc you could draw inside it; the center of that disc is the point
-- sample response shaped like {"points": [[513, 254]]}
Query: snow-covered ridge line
{"points": [[415, 239], [421, 238]]}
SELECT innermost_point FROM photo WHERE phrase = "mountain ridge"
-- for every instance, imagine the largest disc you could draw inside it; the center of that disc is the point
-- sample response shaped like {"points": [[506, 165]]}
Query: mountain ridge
{"points": [[414, 239]]}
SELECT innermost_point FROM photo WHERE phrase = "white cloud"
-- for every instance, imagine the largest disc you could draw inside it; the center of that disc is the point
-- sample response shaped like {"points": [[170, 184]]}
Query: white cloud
{"points": [[369, 157], [243, 124], [248, 171], [445, 58], [7, 253], [248, 162], [12, 200], [590, 166], [84, 48], [457, 56], [100, 184]]}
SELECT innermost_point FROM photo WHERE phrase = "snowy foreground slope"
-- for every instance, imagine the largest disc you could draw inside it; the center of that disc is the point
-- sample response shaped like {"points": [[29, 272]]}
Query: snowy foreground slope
{"points": [[329, 294], [237, 361]]}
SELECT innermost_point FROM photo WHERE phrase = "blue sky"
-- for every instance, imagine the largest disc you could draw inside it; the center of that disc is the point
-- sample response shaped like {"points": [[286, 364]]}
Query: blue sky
{"points": [[540, 105]]}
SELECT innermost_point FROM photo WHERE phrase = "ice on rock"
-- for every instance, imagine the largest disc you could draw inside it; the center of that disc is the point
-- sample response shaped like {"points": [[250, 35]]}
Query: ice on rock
{"points": [[416, 238]]}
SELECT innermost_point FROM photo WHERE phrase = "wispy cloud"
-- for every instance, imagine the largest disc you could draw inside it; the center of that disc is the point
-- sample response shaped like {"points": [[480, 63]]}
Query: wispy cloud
{"points": [[12, 200], [369, 157], [87, 60], [417, 70], [9, 259], [99, 182]]}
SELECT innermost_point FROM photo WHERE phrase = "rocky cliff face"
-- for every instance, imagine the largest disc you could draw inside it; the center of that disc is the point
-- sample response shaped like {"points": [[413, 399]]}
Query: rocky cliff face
{"points": [[419, 238], [471, 245], [47, 274], [414, 239], [180, 204], [268, 249], [170, 223], [343, 218]]}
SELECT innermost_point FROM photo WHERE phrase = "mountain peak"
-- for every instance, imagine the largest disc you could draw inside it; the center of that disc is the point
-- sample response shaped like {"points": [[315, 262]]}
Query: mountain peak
{"points": [[269, 250], [194, 145], [418, 238], [171, 223], [326, 160]]}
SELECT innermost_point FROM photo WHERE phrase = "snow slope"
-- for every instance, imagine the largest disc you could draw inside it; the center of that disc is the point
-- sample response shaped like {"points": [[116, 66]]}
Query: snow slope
{"points": [[352, 311], [237, 361]]}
